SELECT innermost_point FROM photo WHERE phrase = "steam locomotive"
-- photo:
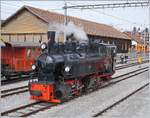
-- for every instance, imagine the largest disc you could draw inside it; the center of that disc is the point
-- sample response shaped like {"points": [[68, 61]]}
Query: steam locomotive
{"points": [[65, 70]]}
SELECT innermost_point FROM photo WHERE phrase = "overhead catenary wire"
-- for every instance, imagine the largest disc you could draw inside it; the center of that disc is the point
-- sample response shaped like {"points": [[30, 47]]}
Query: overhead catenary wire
{"points": [[94, 10], [109, 15], [116, 17], [110, 5]]}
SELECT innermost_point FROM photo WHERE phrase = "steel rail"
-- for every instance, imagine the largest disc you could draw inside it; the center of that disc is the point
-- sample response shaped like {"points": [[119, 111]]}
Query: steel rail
{"points": [[14, 93], [130, 65], [13, 89], [121, 100], [36, 111], [18, 108], [125, 78], [16, 79]]}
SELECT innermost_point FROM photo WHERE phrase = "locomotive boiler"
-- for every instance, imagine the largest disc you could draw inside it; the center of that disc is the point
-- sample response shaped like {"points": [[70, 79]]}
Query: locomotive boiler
{"points": [[65, 70]]}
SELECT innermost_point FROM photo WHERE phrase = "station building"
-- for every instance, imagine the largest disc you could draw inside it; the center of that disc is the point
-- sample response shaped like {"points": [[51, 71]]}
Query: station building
{"points": [[30, 24], [137, 41]]}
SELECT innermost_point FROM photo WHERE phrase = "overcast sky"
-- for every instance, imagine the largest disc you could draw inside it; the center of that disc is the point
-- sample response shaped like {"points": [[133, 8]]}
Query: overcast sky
{"points": [[121, 18]]}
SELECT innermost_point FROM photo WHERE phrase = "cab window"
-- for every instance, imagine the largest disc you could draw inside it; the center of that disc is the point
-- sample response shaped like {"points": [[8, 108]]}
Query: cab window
{"points": [[102, 51]]}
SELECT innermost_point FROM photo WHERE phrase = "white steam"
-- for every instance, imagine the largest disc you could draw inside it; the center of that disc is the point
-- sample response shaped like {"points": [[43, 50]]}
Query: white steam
{"points": [[78, 32]]}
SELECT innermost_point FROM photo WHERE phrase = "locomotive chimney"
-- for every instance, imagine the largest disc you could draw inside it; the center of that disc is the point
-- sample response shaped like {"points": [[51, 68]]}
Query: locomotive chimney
{"points": [[51, 40], [70, 37]]}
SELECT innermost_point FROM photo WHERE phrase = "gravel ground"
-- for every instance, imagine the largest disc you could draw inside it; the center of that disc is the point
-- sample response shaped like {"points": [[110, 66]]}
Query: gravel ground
{"points": [[87, 106], [19, 84], [123, 71], [137, 106], [15, 101]]}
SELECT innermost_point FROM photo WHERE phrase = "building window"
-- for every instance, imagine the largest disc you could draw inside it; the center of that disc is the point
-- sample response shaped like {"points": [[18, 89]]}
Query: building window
{"points": [[122, 47], [113, 42], [125, 46]]}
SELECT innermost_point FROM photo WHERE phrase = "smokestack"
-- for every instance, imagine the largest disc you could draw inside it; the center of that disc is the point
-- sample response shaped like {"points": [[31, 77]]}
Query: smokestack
{"points": [[51, 35], [51, 39]]}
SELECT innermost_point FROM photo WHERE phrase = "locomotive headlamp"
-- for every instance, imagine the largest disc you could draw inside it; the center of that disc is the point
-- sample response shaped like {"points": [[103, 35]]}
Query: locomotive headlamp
{"points": [[33, 67], [43, 46], [67, 68]]}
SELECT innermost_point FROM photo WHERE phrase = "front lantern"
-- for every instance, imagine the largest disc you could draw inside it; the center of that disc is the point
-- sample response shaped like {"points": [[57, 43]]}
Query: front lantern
{"points": [[44, 46], [67, 69], [33, 67]]}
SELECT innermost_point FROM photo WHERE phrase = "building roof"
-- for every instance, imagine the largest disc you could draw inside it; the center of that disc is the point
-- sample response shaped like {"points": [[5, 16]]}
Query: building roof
{"points": [[24, 44], [18, 44], [90, 27], [2, 21]]}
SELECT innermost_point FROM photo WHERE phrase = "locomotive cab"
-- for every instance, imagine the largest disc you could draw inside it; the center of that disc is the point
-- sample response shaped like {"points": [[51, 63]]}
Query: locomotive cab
{"points": [[113, 52]]}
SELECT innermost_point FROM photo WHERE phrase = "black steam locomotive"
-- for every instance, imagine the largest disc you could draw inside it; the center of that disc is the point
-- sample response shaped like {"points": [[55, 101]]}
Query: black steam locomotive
{"points": [[67, 69]]}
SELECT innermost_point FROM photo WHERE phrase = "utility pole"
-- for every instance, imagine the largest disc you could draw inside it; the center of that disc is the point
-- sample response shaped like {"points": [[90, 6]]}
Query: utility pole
{"points": [[149, 39], [65, 20], [65, 14], [144, 42]]}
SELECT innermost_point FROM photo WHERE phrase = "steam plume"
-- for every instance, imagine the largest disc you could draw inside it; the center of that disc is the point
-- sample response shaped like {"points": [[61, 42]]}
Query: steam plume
{"points": [[77, 31]]}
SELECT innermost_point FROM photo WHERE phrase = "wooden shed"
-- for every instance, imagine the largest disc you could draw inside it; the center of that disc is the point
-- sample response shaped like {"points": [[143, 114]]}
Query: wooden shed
{"points": [[31, 24]]}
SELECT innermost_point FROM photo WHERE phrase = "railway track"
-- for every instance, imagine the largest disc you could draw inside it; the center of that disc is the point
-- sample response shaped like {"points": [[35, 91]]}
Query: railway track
{"points": [[16, 79], [30, 109], [23, 89], [129, 60], [125, 76], [119, 101], [129, 65], [13, 91]]}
